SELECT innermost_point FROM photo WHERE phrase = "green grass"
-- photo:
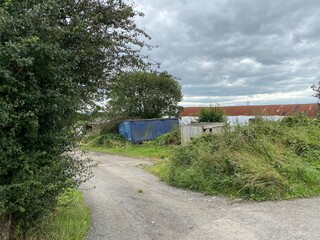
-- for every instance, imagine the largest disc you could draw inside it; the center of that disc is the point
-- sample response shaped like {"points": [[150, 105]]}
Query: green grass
{"points": [[71, 220], [114, 144], [262, 161], [160, 169], [138, 151]]}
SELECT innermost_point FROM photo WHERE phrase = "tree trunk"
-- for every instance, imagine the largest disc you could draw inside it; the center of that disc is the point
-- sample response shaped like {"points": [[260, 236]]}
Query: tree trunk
{"points": [[5, 227]]}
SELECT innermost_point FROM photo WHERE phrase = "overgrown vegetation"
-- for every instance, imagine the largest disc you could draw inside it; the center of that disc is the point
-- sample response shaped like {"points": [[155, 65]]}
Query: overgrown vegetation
{"points": [[171, 138], [70, 221], [265, 160], [211, 114], [160, 148]]}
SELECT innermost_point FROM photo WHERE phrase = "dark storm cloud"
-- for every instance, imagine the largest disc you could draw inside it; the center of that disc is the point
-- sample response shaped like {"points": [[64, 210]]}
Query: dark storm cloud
{"points": [[234, 51]]}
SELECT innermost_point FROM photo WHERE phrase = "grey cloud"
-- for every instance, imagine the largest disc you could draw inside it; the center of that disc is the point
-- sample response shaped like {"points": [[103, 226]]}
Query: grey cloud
{"points": [[236, 48]]}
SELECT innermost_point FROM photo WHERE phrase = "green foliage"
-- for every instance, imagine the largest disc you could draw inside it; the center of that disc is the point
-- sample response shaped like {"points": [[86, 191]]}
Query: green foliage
{"points": [[56, 57], [111, 124], [144, 95], [266, 160], [109, 140], [170, 138], [299, 120], [70, 221], [316, 89], [211, 114]]}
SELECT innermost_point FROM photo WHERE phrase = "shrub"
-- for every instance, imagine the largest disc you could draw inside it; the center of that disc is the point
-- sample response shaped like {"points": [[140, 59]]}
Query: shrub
{"points": [[211, 114], [170, 138], [299, 120], [109, 140]]}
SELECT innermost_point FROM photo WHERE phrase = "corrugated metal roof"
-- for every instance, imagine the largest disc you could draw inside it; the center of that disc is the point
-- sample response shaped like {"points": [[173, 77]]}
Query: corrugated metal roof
{"points": [[266, 110]]}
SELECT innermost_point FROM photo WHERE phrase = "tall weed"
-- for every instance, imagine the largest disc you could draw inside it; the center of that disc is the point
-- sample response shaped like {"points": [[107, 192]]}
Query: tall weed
{"points": [[171, 138], [265, 160]]}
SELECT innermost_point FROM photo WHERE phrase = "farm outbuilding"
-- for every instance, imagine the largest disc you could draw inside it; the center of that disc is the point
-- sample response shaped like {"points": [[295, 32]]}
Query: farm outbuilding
{"points": [[242, 114], [95, 126], [310, 110], [146, 129], [198, 129]]}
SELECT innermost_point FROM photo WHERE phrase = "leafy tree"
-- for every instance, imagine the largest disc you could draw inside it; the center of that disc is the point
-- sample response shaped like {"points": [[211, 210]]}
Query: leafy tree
{"points": [[144, 95], [316, 89], [211, 114], [56, 57]]}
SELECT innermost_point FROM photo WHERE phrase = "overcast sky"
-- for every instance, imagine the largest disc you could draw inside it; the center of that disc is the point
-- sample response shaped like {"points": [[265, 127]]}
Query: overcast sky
{"points": [[229, 52]]}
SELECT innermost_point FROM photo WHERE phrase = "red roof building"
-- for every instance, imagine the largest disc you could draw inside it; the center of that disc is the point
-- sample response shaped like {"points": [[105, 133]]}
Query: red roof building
{"points": [[310, 110]]}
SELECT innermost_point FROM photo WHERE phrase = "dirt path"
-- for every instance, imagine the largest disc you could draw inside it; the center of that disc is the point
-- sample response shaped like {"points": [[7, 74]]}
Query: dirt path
{"points": [[120, 211]]}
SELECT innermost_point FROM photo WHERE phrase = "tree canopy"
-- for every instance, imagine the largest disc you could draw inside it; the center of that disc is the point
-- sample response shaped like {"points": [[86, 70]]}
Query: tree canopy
{"points": [[56, 58], [144, 95], [316, 89]]}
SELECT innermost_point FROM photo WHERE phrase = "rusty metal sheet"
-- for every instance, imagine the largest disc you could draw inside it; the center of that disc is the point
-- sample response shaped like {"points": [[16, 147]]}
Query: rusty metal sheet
{"points": [[265, 110]]}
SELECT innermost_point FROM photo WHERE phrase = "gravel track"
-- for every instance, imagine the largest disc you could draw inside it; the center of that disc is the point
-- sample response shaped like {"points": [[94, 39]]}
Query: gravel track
{"points": [[129, 203]]}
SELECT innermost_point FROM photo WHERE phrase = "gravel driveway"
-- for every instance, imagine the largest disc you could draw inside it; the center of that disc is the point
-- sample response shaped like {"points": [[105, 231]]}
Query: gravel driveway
{"points": [[129, 203]]}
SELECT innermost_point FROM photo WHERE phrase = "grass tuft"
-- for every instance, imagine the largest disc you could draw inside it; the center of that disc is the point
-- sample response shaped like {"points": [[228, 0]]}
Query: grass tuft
{"points": [[71, 220]]}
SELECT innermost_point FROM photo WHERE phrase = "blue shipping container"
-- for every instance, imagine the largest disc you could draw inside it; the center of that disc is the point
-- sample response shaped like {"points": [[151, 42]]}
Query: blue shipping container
{"points": [[146, 129]]}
